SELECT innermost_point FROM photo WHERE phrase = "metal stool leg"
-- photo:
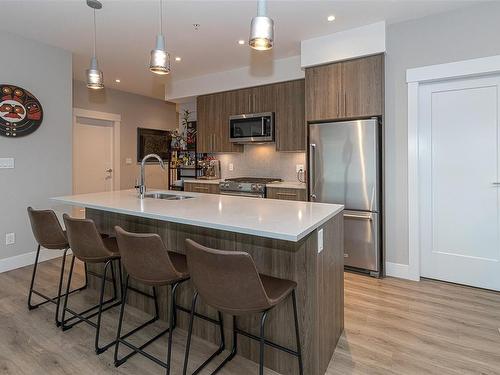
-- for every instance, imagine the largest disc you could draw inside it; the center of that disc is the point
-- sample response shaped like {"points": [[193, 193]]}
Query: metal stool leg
{"points": [[30, 306], [171, 325], [58, 322], [262, 342], [190, 332], [120, 321], [71, 267], [297, 335]]}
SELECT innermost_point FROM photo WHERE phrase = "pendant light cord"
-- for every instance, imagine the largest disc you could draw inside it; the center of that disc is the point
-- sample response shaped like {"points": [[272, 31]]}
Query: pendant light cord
{"points": [[262, 8], [161, 17], [95, 37]]}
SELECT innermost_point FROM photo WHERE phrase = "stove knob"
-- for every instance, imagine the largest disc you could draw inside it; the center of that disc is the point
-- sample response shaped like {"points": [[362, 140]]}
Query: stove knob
{"points": [[240, 186], [254, 187]]}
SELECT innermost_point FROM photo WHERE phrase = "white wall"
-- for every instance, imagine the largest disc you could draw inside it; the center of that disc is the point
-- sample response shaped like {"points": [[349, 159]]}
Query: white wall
{"points": [[262, 71], [43, 159], [361, 41], [464, 34]]}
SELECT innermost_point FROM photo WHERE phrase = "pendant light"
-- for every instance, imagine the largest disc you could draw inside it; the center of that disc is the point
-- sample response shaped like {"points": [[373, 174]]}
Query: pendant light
{"points": [[261, 29], [159, 61], [94, 75]]}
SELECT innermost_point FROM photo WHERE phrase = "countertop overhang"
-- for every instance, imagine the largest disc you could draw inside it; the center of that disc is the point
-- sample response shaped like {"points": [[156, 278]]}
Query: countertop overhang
{"points": [[277, 219]]}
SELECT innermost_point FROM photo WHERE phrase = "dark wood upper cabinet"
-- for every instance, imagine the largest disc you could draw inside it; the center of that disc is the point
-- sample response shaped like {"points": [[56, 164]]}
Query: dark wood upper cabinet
{"points": [[346, 89], [285, 99], [289, 116], [323, 92], [363, 87]]}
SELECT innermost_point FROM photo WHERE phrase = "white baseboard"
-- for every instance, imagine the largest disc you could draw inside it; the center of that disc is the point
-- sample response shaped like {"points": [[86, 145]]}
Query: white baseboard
{"points": [[398, 270], [28, 259]]}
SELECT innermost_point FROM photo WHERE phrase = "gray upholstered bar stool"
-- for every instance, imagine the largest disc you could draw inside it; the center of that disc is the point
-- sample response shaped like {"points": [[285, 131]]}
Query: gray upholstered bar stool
{"points": [[50, 235], [89, 247], [229, 281], [146, 260]]}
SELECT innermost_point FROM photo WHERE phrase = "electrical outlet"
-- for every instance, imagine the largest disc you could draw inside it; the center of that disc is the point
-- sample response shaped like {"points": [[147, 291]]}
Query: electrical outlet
{"points": [[231, 166], [10, 238], [320, 241], [128, 161], [6, 163], [299, 167]]}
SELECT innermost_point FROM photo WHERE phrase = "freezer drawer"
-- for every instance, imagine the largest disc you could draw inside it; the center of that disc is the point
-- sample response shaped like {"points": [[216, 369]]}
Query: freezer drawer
{"points": [[361, 240]]}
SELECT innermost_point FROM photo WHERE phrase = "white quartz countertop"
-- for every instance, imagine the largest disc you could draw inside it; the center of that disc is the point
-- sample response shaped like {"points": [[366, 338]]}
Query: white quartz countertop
{"points": [[278, 219]]}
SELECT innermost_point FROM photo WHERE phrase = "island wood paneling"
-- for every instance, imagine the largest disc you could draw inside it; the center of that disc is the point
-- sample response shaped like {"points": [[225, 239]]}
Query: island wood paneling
{"points": [[319, 291]]}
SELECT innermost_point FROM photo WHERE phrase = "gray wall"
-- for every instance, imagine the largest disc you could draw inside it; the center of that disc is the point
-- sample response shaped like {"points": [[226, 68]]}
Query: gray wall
{"points": [[43, 159], [460, 35], [136, 111]]}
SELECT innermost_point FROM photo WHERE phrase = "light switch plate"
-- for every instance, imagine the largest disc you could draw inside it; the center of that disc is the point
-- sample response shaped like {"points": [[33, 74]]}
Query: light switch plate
{"points": [[6, 163], [231, 166], [128, 161], [320, 241], [10, 238], [299, 167]]}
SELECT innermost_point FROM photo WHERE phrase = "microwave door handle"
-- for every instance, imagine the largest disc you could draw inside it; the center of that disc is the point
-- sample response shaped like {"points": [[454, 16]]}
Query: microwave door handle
{"points": [[263, 125]]}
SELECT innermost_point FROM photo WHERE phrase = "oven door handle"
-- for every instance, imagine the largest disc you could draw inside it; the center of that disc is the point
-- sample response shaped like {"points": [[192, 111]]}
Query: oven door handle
{"points": [[240, 194]]}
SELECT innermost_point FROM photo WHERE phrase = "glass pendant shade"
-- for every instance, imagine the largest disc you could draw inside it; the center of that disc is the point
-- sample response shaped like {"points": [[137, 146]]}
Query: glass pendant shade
{"points": [[159, 61], [95, 79]]}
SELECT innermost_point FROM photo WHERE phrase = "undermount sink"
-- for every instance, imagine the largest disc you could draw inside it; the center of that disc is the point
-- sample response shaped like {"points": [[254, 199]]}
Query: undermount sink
{"points": [[170, 197]]}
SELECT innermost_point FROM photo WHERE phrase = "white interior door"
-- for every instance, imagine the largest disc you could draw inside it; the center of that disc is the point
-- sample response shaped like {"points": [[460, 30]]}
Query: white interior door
{"points": [[459, 176], [92, 155]]}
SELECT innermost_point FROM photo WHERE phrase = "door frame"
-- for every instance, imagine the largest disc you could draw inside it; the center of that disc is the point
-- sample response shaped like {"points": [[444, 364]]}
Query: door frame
{"points": [[414, 78], [115, 145]]}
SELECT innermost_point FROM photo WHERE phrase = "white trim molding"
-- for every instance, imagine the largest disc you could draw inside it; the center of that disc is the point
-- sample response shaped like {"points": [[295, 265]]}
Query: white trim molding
{"points": [[28, 259], [398, 270], [111, 117], [414, 78]]}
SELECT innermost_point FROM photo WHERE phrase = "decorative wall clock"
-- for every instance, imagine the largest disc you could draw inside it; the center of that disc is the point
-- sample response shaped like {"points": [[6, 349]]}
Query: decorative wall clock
{"points": [[20, 112]]}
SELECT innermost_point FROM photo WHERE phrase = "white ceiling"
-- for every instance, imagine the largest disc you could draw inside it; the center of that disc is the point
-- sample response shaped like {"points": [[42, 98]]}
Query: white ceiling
{"points": [[126, 31]]}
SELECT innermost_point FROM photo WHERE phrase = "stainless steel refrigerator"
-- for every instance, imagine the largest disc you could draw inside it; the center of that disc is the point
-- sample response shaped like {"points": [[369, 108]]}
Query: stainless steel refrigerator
{"points": [[345, 168]]}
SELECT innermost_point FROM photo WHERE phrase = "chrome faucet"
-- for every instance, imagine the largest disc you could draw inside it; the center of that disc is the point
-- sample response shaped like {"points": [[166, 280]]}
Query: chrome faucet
{"points": [[142, 183]]}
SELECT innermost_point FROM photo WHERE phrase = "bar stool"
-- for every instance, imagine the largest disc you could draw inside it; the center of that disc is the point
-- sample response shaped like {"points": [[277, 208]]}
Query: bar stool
{"points": [[89, 247], [229, 281], [50, 235], [146, 260]]}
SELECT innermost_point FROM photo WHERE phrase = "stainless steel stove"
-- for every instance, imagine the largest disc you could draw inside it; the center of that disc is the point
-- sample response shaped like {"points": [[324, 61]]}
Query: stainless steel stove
{"points": [[246, 186]]}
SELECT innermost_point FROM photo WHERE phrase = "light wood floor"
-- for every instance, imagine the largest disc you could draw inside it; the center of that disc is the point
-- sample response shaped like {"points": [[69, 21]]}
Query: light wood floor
{"points": [[392, 327]]}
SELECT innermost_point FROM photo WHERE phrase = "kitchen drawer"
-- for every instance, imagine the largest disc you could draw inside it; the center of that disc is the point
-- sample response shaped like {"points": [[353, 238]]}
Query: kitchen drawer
{"points": [[201, 187], [286, 194]]}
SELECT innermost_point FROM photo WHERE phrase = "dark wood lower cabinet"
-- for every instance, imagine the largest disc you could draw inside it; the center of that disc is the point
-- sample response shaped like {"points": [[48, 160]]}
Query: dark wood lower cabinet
{"points": [[286, 194], [198, 187]]}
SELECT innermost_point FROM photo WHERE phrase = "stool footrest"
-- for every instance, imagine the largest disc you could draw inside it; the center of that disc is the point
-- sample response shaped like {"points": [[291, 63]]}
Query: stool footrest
{"points": [[267, 342]]}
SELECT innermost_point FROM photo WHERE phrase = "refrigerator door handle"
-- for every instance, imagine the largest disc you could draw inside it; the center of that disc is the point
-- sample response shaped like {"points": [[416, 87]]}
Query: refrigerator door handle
{"points": [[312, 170], [361, 217]]}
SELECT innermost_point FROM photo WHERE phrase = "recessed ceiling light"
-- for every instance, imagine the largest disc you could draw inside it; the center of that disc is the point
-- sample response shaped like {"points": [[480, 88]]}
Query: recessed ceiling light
{"points": [[331, 18], [241, 42], [178, 58], [117, 81]]}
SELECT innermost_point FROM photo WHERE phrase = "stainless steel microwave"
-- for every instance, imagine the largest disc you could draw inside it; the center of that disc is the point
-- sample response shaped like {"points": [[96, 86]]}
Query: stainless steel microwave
{"points": [[250, 128]]}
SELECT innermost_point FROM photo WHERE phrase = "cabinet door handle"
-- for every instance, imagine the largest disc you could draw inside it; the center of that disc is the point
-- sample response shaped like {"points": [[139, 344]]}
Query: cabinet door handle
{"points": [[287, 194], [201, 188], [345, 104]]}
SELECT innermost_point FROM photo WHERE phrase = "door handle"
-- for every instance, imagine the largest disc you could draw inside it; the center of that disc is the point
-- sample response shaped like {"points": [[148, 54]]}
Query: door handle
{"points": [[312, 170], [495, 183], [108, 170], [361, 217]]}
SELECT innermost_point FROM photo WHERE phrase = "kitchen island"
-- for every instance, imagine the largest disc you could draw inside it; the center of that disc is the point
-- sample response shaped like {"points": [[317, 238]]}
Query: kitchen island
{"points": [[300, 241]]}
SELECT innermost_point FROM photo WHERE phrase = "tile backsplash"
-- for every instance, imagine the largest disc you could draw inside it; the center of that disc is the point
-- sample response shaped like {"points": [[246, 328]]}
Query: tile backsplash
{"points": [[261, 161]]}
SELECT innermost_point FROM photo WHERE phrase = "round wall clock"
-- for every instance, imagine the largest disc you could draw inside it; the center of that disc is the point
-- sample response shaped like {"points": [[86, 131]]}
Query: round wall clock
{"points": [[20, 112]]}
